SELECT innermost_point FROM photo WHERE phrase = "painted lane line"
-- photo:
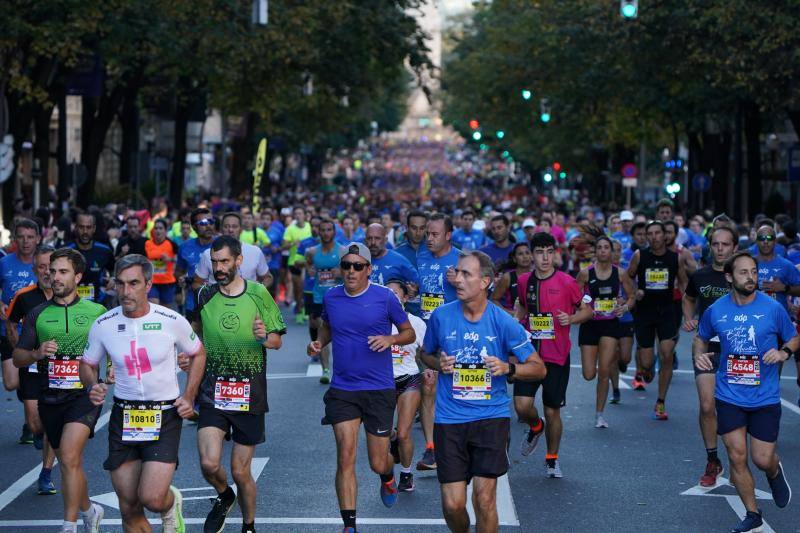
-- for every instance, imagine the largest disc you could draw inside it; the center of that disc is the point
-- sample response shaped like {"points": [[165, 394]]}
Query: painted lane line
{"points": [[22, 484], [738, 508], [259, 520], [790, 406]]}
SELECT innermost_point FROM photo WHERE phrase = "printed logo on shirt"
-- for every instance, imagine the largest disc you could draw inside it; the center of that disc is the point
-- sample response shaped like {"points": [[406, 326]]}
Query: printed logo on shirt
{"points": [[740, 318], [229, 322], [151, 326], [757, 317], [120, 327], [81, 320], [471, 336], [137, 362]]}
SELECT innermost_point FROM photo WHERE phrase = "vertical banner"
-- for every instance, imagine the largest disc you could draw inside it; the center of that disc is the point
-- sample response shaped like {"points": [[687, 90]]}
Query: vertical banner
{"points": [[425, 185], [258, 171]]}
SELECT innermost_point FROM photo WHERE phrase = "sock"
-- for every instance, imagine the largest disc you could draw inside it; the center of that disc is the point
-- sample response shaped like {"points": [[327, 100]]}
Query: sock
{"points": [[88, 513], [385, 478], [405, 470], [247, 528], [599, 413], [428, 445], [45, 472], [660, 400], [712, 455], [551, 459], [616, 391], [227, 494], [349, 517], [69, 526], [537, 427]]}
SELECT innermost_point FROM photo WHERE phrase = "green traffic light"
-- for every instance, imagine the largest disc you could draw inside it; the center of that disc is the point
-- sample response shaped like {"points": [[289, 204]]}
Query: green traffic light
{"points": [[562, 175], [545, 117], [629, 11], [548, 177], [476, 136], [505, 153], [527, 94], [500, 134]]}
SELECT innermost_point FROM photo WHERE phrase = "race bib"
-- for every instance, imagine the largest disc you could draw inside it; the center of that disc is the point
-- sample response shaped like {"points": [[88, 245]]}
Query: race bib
{"points": [[159, 266], [604, 306], [86, 292], [656, 279], [431, 301], [326, 278], [472, 382], [63, 374], [542, 326], [743, 370], [232, 395], [397, 354], [141, 425]]}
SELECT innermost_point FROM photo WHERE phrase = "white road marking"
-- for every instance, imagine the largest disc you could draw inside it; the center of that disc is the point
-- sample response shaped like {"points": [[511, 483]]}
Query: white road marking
{"points": [[259, 520], [790, 406], [733, 500], [738, 507], [20, 485], [286, 376], [314, 370], [506, 511]]}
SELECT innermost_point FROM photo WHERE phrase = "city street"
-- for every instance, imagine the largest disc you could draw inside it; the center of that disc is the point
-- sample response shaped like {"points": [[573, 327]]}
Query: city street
{"points": [[635, 475]]}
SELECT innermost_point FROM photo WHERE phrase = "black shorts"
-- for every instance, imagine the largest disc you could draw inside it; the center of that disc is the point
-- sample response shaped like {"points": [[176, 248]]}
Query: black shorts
{"points": [[313, 310], [761, 422], [591, 331], [471, 449], [625, 329], [55, 416], [6, 350], [715, 348], [678, 312], [163, 450], [373, 407], [308, 299], [648, 325], [246, 429], [31, 384], [407, 383], [554, 386], [294, 271]]}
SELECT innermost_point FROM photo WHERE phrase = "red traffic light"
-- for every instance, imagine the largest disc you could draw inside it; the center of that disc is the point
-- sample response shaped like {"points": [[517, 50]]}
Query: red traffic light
{"points": [[556, 166], [474, 124]]}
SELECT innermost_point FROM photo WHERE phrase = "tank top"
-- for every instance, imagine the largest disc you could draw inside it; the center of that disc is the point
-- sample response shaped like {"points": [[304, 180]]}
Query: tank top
{"points": [[324, 264], [510, 297], [604, 293], [656, 276]]}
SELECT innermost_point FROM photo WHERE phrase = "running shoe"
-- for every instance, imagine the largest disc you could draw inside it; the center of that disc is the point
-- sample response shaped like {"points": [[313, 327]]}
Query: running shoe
{"points": [[428, 461], [248, 529], [45, 485], [781, 491], [406, 482], [660, 412], [752, 523], [389, 493], [325, 378], [349, 530], [298, 318], [38, 441], [553, 469], [26, 437], [713, 470], [616, 397], [531, 441], [638, 382], [215, 521], [600, 421], [173, 523], [92, 523], [394, 449]]}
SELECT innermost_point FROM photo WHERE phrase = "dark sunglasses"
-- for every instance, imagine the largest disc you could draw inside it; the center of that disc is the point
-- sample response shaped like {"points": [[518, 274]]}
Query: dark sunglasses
{"points": [[358, 267], [766, 238], [205, 222]]}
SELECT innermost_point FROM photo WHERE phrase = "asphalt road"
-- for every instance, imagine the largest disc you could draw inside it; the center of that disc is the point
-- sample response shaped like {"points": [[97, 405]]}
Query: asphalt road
{"points": [[628, 478]]}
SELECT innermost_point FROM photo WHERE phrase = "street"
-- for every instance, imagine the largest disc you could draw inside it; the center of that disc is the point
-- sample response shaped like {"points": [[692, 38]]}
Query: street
{"points": [[638, 473]]}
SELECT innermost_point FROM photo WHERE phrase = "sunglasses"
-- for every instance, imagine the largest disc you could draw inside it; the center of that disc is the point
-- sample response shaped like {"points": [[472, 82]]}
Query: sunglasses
{"points": [[358, 267], [766, 238], [205, 222]]}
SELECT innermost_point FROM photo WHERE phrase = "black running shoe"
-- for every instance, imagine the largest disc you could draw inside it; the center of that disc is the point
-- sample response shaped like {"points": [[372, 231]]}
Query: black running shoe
{"points": [[215, 521]]}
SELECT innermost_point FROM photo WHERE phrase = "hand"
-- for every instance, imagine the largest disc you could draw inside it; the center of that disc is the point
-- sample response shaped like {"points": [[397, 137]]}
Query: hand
{"points": [[639, 294], [703, 361], [314, 348], [379, 343], [689, 325], [259, 329], [184, 362], [110, 376], [563, 318], [451, 275], [774, 356], [182, 282], [413, 289], [46, 349], [773, 285], [495, 365], [3, 311], [185, 407], [620, 310], [446, 363], [97, 394]]}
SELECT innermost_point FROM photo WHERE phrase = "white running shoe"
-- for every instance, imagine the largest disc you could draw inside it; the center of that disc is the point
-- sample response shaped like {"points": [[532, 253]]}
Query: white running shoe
{"points": [[91, 524], [172, 520], [531, 441], [600, 421], [554, 472]]}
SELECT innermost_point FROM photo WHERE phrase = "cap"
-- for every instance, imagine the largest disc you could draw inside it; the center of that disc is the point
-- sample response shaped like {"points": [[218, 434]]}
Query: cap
{"points": [[479, 225], [626, 215], [528, 223], [355, 248]]}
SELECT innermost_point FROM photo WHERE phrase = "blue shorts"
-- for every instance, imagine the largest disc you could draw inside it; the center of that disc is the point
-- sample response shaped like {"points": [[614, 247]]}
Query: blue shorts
{"points": [[165, 292], [761, 422]]}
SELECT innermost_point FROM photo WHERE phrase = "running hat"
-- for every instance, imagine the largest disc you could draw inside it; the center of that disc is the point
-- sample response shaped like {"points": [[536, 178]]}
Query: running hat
{"points": [[528, 223], [355, 248], [626, 215]]}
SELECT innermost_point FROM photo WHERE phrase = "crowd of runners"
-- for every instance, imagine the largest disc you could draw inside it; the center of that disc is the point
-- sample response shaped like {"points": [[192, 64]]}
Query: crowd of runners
{"points": [[443, 312]]}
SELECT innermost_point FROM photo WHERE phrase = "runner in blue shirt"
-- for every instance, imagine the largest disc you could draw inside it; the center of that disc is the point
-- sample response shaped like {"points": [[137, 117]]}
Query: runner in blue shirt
{"points": [[777, 276], [476, 347], [273, 254], [466, 238], [99, 259], [357, 317], [501, 248], [189, 254], [416, 225], [388, 264], [750, 327]]}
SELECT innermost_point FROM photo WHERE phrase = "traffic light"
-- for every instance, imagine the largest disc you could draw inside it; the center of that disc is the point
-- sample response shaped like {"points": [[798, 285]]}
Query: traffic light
{"points": [[476, 135], [562, 175], [556, 166], [544, 110], [499, 134], [474, 124], [629, 9], [505, 154], [673, 188], [527, 94], [548, 177]]}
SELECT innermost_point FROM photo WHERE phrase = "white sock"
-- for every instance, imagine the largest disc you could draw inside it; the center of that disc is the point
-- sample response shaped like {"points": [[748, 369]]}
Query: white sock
{"points": [[88, 513], [69, 526], [405, 470]]}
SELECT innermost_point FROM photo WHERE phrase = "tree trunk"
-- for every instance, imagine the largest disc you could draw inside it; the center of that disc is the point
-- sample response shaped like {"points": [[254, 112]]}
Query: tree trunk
{"points": [[98, 115], [752, 133], [20, 117], [717, 150], [695, 165], [130, 137], [41, 152], [178, 176]]}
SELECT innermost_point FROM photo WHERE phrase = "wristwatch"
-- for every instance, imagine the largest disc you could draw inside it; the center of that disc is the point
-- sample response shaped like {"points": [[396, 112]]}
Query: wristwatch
{"points": [[512, 369], [788, 351]]}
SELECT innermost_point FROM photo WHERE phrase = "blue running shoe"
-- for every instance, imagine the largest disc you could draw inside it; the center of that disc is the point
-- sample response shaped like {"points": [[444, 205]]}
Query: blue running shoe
{"points": [[45, 486], [389, 493], [781, 491], [751, 524], [38, 441]]}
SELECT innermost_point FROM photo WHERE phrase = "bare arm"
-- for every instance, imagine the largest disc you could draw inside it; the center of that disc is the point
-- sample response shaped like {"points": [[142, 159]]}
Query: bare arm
{"points": [[689, 308]]}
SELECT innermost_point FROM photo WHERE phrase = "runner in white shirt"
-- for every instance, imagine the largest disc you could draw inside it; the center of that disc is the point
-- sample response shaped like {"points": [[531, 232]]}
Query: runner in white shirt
{"points": [[407, 380], [143, 340], [254, 265]]}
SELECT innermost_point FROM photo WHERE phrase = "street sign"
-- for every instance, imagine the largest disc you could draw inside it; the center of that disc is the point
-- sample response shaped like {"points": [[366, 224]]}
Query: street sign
{"points": [[701, 182], [629, 170], [630, 182], [6, 157], [793, 173]]}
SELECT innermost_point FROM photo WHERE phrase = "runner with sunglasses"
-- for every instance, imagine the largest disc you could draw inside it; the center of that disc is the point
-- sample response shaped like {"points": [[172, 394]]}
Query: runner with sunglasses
{"points": [[357, 317], [777, 277]]}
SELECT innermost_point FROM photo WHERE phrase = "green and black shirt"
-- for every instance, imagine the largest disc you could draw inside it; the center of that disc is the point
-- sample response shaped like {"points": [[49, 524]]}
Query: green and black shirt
{"points": [[67, 325]]}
